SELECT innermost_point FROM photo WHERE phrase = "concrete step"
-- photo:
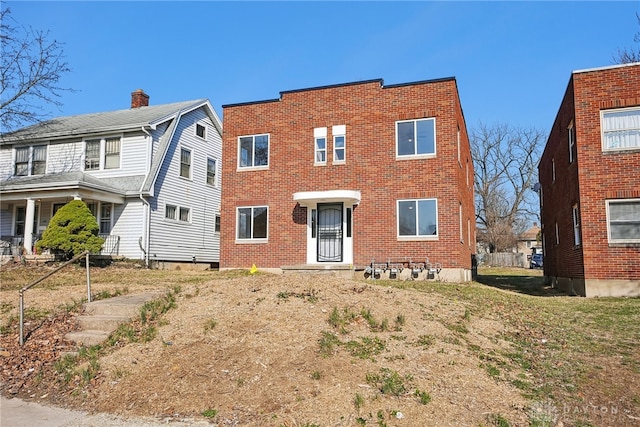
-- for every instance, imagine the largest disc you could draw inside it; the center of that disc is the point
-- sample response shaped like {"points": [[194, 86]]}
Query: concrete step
{"points": [[104, 323], [124, 305], [100, 318], [87, 338]]}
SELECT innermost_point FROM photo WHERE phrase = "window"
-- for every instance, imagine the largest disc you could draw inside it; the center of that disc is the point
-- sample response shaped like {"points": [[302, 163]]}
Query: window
{"points": [[416, 137], [217, 224], [458, 143], [102, 153], [56, 207], [185, 163], [184, 214], [92, 155], [105, 218], [253, 151], [201, 131], [417, 218], [624, 220], [211, 171], [321, 150], [621, 129], [112, 153], [171, 212], [553, 170], [252, 223], [572, 142], [576, 225], [469, 231], [31, 160], [557, 234], [339, 143]]}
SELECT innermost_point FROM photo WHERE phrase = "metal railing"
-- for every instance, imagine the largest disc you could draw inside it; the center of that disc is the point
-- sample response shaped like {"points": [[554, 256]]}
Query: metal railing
{"points": [[35, 282], [111, 245]]}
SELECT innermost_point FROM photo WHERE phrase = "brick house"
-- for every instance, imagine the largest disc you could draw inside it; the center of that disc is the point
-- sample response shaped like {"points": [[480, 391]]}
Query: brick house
{"points": [[333, 177], [590, 185]]}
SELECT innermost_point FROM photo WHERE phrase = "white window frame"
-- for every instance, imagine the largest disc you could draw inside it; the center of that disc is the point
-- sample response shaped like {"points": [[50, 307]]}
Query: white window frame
{"points": [[557, 234], [216, 223], [251, 239], [31, 161], [417, 236], [633, 129], [171, 212], [460, 217], [215, 171], [611, 239], [553, 170], [253, 166], [415, 153], [571, 140], [320, 146], [339, 131], [103, 154], [184, 214], [575, 213], [188, 165], [199, 126]]}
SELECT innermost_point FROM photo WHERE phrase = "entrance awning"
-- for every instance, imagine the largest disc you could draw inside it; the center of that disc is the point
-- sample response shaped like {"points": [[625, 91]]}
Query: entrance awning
{"points": [[348, 197]]}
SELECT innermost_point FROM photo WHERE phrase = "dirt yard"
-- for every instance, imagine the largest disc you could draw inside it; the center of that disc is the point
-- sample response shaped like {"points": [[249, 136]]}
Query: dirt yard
{"points": [[291, 350]]}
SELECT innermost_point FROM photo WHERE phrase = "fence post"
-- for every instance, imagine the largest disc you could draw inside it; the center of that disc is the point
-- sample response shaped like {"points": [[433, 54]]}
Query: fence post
{"points": [[21, 308], [88, 278]]}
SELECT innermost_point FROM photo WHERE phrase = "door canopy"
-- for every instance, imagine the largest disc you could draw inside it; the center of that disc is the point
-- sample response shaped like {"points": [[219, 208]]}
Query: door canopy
{"points": [[348, 197]]}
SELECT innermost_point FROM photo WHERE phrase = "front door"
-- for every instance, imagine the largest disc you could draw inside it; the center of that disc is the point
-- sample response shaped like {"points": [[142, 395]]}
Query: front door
{"points": [[329, 232]]}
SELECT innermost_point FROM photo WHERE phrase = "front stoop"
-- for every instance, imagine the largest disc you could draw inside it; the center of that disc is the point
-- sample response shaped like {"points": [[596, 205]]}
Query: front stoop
{"points": [[101, 318]]}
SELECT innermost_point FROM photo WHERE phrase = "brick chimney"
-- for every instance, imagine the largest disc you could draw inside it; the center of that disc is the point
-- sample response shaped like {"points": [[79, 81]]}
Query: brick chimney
{"points": [[139, 99]]}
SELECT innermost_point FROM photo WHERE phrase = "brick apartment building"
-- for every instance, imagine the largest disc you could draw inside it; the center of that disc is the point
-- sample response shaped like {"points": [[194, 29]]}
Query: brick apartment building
{"points": [[590, 182], [333, 177]]}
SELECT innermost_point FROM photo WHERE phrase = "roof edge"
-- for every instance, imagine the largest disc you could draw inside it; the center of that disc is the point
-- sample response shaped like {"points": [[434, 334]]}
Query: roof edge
{"points": [[606, 67]]}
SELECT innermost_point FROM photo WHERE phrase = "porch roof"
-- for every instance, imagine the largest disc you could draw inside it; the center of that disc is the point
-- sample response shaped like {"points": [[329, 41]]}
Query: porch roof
{"points": [[66, 185], [346, 196]]}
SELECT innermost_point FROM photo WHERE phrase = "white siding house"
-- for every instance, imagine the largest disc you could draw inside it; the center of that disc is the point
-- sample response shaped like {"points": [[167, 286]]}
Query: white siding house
{"points": [[149, 174]]}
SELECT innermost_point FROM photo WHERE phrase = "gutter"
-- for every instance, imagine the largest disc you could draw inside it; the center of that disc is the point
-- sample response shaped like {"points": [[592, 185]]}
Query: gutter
{"points": [[145, 238]]}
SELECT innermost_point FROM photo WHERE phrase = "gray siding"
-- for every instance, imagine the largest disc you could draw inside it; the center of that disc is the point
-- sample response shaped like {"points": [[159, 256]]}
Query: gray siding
{"points": [[181, 241]]}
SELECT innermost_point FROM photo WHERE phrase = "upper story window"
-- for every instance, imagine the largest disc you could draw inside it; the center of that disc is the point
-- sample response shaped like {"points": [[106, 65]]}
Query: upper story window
{"points": [[418, 218], [416, 137], [252, 223], [102, 153], [572, 142], [339, 143], [31, 160], [623, 218], [576, 224], [211, 171], [620, 129], [175, 213], [201, 131], [253, 151], [320, 146], [185, 163]]}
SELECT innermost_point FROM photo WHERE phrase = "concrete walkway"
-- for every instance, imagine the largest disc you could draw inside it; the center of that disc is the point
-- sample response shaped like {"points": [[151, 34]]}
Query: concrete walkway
{"points": [[19, 413]]}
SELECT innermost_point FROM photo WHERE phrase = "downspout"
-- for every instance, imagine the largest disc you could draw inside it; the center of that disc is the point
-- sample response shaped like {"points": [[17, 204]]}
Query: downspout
{"points": [[144, 239]]}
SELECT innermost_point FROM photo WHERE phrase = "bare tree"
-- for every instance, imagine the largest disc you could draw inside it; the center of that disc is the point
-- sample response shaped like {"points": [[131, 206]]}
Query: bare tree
{"points": [[505, 161], [627, 56], [31, 67]]}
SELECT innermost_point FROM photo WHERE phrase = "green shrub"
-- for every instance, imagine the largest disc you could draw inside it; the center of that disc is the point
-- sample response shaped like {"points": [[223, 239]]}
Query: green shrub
{"points": [[71, 231]]}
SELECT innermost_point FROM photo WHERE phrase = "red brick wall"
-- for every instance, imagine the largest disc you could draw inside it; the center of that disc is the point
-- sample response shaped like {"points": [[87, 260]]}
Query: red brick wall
{"points": [[369, 112], [595, 177]]}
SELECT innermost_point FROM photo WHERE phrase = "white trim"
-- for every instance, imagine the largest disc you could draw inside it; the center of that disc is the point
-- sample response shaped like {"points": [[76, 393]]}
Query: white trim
{"points": [[306, 198], [239, 167], [606, 67], [618, 241], [602, 130], [417, 155], [417, 236]]}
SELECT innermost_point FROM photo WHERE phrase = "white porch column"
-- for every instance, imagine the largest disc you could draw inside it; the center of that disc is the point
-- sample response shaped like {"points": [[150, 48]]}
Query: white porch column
{"points": [[28, 226]]}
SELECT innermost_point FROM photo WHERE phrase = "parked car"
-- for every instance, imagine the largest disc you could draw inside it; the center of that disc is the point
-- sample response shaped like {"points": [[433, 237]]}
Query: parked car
{"points": [[536, 261]]}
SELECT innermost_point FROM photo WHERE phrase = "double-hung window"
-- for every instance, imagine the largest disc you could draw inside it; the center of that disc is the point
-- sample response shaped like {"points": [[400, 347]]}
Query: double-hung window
{"points": [[320, 146], [185, 163], [339, 143], [571, 136], [103, 153], [105, 218], [576, 224], [31, 160], [620, 129], [623, 217], [416, 137], [252, 223], [253, 151], [211, 171], [418, 218]]}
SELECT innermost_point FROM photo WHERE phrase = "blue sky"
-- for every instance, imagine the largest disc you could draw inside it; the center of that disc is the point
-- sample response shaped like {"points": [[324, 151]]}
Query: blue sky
{"points": [[512, 60]]}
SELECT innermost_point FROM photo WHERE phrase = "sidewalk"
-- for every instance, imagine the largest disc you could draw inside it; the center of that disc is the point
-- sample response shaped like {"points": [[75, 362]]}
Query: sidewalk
{"points": [[19, 413]]}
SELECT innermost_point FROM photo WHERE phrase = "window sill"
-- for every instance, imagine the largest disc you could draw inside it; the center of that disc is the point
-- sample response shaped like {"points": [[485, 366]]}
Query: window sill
{"points": [[416, 238], [634, 244], [251, 241], [252, 168], [416, 157], [612, 151]]}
